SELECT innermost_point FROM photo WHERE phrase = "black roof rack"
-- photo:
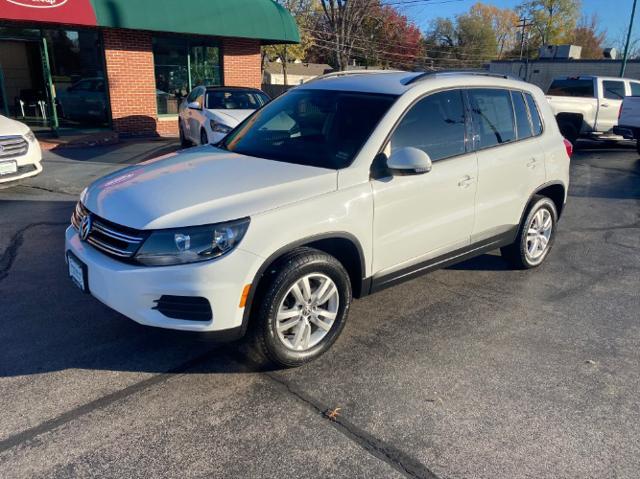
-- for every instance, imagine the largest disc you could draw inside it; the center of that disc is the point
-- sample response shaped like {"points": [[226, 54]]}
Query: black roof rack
{"points": [[425, 75]]}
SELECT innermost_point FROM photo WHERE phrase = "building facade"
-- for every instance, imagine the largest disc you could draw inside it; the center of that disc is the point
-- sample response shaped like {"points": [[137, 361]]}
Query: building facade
{"points": [[126, 64]]}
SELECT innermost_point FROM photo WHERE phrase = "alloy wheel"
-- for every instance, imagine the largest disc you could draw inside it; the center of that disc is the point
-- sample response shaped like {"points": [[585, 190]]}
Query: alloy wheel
{"points": [[307, 312], [539, 234]]}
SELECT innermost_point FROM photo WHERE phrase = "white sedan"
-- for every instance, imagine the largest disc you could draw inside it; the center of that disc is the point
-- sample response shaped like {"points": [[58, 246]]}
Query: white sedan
{"points": [[20, 154], [208, 114]]}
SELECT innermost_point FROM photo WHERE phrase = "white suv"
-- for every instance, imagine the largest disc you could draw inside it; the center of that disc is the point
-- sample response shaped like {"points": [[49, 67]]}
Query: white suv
{"points": [[337, 189]]}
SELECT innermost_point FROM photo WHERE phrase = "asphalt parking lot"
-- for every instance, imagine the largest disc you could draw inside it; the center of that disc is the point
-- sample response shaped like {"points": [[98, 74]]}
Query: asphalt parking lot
{"points": [[475, 371]]}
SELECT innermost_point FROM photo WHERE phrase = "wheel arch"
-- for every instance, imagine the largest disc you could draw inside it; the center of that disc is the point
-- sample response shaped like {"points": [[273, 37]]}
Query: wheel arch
{"points": [[344, 246], [554, 190]]}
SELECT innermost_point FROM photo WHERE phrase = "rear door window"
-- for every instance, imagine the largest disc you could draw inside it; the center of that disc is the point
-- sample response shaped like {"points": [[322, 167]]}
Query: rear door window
{"points": [[435, 124], [635, 89], [534, 112], [572, 87], [613, 90], [523, 123], [493, 117]]}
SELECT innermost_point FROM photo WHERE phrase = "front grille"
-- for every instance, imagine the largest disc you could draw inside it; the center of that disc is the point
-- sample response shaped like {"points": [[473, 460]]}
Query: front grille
{"points": [[12, 147], [115, 240], [188, 308]]}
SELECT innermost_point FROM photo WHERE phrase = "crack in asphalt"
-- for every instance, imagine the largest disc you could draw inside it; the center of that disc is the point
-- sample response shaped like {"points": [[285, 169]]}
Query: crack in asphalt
{"points": [[102, 402], [9, 256], [400, 461]]}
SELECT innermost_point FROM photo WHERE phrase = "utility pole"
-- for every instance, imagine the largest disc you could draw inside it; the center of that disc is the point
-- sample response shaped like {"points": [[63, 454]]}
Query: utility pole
{"points": [[523, 24], [626, 45]]}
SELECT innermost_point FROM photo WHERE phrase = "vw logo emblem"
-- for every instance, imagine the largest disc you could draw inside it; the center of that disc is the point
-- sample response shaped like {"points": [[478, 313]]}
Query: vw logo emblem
{"points": [[85, 227]]}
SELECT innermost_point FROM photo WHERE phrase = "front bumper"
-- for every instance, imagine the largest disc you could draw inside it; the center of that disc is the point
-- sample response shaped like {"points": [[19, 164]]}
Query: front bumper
{"points": [[133, 290], [29, 164]]}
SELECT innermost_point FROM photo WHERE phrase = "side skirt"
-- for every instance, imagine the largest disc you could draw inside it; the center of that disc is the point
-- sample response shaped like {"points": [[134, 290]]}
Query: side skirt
{"points": [[382, 282]]}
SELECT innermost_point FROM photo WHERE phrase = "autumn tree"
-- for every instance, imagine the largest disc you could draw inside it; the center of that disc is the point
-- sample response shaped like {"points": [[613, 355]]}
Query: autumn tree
{"points": [[553, 20], [589, 36], [502, 21], [389, 40], [342, 21]]}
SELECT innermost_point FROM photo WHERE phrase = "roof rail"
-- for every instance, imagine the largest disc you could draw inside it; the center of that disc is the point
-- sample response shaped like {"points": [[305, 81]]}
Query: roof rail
{"points": [[349, 73], [425, 75]]}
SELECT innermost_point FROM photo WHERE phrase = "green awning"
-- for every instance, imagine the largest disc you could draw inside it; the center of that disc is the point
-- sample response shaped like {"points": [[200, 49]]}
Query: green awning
{"points": [[264, 20]]}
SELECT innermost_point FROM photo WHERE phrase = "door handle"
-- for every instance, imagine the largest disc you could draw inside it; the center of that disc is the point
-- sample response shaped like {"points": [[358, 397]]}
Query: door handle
{"points": [[605, 105], [532, 163], [465, 181]]}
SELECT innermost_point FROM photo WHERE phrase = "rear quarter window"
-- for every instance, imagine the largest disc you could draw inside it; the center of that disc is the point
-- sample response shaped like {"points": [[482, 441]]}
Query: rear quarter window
{"points": [[534, 112], [572, 87]]}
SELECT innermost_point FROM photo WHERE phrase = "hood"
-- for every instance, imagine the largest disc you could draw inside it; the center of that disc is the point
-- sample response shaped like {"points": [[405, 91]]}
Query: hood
{"points": [[11, 127], [202, 186], [231, 117]]}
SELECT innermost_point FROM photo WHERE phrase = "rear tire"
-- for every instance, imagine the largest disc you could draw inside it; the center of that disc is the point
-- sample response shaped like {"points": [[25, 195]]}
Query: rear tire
{"points": [[536, 235], [303, 309]]}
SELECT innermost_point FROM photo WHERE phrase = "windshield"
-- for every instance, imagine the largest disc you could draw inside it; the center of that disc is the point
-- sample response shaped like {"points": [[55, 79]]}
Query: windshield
{"points": [[235, 100], [323, 128]]}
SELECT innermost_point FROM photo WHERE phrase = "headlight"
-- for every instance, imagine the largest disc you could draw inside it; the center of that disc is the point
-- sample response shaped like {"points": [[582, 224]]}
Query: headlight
{"points": [[30, 136], [220, 127], [191, 245]]}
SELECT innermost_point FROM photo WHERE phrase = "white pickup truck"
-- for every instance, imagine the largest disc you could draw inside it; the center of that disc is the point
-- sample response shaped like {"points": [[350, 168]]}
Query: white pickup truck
{"points": [[588, 106], [629, 121]]}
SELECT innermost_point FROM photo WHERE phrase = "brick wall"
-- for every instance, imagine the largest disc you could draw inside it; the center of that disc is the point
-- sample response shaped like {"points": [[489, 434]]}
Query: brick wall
{"points": [[132, 85], [242, 62], [131, 79]]}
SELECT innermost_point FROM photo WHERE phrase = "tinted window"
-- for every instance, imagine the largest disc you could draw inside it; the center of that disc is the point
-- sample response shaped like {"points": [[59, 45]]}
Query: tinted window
{"points": [[310, 127], [572, 87], [613, 90], [235, 100], [535, 114], [492, 116], [523, 124], [435, 124], [635, 89]]}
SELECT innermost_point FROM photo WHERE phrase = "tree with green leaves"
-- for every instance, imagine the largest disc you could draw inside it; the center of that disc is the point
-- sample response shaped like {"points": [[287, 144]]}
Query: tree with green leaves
{"points": [[553, 20]]}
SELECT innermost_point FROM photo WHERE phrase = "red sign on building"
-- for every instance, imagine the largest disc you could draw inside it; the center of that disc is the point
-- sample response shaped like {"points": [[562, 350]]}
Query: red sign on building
{"points": [[74, 12]]}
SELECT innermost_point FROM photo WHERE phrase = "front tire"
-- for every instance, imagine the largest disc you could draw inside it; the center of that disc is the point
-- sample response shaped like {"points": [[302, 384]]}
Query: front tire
{"points": [[183, 139], [204, 139], [535, 236], [304, 307]]}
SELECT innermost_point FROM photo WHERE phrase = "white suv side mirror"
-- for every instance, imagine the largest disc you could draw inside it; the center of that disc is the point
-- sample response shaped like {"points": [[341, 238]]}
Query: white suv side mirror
{"points": [[194, 105], [410, 160]]}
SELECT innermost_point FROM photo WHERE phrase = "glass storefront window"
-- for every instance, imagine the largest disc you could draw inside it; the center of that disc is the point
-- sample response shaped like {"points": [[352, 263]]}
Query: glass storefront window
{"points": [[78, 75], [181, 65], [76, 65]]}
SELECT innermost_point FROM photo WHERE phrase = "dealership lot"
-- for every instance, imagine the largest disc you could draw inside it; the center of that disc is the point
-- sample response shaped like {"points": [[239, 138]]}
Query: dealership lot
{"points": [[473, 371]]}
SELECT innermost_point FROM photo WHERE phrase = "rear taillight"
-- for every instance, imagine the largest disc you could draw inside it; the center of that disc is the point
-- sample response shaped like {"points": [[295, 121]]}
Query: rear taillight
{"points": [[620, 111], [569, 147]]}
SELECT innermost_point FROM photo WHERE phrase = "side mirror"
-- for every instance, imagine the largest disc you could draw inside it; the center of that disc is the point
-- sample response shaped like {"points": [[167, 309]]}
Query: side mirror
{"points": [[410, 160], [194, 105]]}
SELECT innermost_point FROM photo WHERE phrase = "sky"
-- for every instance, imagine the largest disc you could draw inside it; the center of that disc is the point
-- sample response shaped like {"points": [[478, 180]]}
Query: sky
{"points": [[613, 14]]}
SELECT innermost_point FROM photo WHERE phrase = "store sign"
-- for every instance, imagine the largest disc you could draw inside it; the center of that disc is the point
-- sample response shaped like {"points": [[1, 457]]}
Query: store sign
{"points": [[72, 12], [39, 3]]}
